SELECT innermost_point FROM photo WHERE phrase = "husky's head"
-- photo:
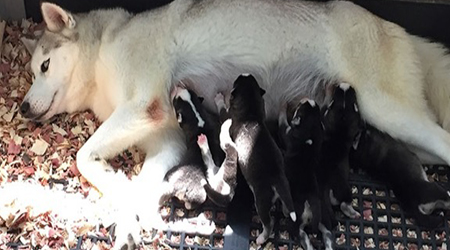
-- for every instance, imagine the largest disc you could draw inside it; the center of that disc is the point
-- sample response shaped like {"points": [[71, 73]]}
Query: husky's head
{"points": [[54, 57]]}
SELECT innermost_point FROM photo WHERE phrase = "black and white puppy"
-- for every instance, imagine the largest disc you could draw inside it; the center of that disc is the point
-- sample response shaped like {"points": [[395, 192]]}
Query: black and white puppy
{"points": [[303, 139], [259, 158], [390, 161], [342, 121], [184, 180], [220, 187]]}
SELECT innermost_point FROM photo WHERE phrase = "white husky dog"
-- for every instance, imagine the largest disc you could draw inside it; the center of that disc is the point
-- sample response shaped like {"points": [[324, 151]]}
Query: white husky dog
{"points": [[123, 67]]}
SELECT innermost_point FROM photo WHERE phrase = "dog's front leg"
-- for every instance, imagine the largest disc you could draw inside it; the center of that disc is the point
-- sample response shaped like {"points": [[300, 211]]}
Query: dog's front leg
{"points": [[149, 127], [163, 151], [125, 127]]}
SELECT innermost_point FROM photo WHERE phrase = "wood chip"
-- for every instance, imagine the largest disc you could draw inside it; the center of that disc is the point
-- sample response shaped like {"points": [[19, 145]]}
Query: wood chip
{"points": [[39, 147]]}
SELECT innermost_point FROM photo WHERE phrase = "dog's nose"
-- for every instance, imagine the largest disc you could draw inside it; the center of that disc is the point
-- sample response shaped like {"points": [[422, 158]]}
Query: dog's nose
{"points": [[25, 108]]}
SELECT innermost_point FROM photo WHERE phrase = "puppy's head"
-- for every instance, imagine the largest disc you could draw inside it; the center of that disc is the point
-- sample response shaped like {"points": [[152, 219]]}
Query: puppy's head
{"points": [[342, 114], [187, 105], [246, 99], [306, 127]]}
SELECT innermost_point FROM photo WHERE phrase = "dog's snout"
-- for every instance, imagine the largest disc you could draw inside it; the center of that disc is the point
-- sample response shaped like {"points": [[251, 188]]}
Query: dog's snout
{"points": [[25, 108]]}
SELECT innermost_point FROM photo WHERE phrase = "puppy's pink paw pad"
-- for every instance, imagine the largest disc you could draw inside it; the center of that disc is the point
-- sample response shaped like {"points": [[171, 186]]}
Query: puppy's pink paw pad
{"points": [[202, 140]]}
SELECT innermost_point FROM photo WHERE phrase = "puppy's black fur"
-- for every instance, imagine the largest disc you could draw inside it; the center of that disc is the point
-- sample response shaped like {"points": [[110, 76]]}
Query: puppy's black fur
{"points": [[259, 157], [342, 121], [390, 161], [303, 139], [184, 180]]}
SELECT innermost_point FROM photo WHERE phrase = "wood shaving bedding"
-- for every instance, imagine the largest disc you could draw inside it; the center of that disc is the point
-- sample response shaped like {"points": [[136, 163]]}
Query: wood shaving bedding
{"points": [[44, 201]]}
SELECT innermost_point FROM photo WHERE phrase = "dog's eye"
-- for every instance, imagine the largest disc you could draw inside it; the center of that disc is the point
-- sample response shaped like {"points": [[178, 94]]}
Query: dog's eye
{"points": [[44, 65]]}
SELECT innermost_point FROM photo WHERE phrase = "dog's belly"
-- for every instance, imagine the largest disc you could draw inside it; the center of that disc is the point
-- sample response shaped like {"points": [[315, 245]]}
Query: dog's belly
{"points": [[281, 86], [290, 61]]}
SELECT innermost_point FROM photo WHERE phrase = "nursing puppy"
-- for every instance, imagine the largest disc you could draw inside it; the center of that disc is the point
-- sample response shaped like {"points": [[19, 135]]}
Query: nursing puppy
{"points": [[184, 180], [259, 158], [390, 161], [341, 120], [221, 187], [208, 124], [303, 139]]}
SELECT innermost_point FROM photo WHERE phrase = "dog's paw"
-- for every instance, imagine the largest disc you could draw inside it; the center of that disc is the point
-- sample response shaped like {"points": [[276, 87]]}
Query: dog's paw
{"points": [[149, 220], [128, 232], [121, 186]]}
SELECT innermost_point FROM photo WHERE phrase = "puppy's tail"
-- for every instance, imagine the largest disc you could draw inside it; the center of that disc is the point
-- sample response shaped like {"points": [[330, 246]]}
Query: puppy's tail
{"points": [[281, 187], [216, 197]]}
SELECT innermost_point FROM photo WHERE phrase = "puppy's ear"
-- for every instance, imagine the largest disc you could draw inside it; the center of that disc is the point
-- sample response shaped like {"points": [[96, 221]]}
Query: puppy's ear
{"points": [[201, 99], [262, 91], [56, 17]]}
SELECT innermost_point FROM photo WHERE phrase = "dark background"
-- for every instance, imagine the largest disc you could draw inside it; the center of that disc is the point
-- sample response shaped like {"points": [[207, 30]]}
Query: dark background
{"points": [[431, 20]]}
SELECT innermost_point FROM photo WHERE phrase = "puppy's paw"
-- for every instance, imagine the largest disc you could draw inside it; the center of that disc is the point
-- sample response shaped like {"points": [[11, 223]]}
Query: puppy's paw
{"points": [[224, 136], [202, 142], [349, 211], [225, 188], [219, 100], [261, 239]]}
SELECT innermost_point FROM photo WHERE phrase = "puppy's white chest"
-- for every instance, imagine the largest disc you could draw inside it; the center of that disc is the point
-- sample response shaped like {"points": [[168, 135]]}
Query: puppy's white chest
{"points": [[244, 145]]}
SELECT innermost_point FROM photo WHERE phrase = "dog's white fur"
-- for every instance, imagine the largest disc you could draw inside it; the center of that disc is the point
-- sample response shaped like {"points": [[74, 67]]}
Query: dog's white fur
{"points": [[123, 67]]}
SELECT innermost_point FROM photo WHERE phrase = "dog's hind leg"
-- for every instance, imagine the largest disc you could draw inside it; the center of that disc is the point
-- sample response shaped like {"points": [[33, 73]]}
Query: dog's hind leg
{"points": [[401, 120], [425, 157], [432, 196]]}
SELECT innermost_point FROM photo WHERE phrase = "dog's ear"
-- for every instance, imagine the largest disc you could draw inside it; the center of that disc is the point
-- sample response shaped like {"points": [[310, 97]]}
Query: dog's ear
{"points": [[56, 18], [262, 91], [201, 99]]}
